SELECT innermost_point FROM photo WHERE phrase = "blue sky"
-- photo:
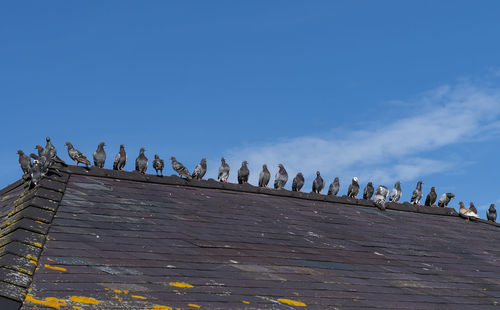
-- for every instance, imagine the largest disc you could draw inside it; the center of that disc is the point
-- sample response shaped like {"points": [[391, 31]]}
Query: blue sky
{"points": [[381, 90]]}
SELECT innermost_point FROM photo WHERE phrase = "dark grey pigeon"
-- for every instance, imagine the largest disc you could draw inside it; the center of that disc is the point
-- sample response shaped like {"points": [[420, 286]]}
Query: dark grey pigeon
{"points": [[200, 170], [180, 168], [491, 213], [24, 161], [100, 155], [50, 153], [280, 178], [396, 192], [158, 164], [417, 194], [264, 176], [472, 207], [368, 191], [120, 159], [334, 187], [445, 199], [431, 197], [243, 173], [353, 189], [298, 182], [318, 183], [43, 160], [223, 171], [380, 196], [76, 155], [36, 174], [141, 162]]}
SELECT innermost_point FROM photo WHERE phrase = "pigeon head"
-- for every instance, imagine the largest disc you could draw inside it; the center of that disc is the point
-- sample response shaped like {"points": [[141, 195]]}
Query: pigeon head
{"points": [[20, 152], [102, 144], [336, 180], [450, 195], [47, 139], [433, 189], [299, 174], [203, 160], [69, 145], [244, 163], [492, 207], [317, 173], [461, 205], [172, 158], [122, 146], [142, 150], [38, 147], [156, 156], [397, 184], [264, 166], [223, 160], [355, 180]]}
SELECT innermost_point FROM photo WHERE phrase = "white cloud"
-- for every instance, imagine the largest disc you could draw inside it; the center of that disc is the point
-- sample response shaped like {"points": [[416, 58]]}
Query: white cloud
{"points": [[392, 151]]}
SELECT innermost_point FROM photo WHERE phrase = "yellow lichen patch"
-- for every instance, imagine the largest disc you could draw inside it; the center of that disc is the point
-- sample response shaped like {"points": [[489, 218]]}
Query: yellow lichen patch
{"points": [[157, 307], [33, 262], [194, 305], [117, 298], [138, 297], [180, 284], [84, 300], [31, 257], [50, 259], [291, 302], [77, 307], [37, 244], [295, 293], [49, 302], [245, 302], [410, 284], [54, 267]]}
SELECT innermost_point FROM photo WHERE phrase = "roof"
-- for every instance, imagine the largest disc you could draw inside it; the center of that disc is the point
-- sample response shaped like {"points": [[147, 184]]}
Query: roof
{"points": [[103, 239]]}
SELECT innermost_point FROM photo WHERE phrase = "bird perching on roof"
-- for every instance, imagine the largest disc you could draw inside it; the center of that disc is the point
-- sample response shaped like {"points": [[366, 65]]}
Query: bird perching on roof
{"points": [[298, 182], [334, 187], [491, 213], [24, 162], [318, 183], [35, 174], [466, 213], [100, 155], [141, 162], [280, 178], [445, 199], [380, 196], [368, 191], [158, 164], [417, 194], [120, 159], [243, 173], [431, 197], [396, 192], [472, 207], [264, 176], [76, 155], [200, 170], [223, 171], [180, 168], [353, 189]]}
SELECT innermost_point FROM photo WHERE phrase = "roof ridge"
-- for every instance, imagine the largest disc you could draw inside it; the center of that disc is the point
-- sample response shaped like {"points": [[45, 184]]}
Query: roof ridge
{"points": [[24, 224]]}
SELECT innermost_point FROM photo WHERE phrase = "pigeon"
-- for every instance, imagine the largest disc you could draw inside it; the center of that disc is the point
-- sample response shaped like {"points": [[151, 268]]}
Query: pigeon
{"points": [[141, 162], [24, 161], [466, 213], [50, 149], [120, 159], [353, 189], [380, 196], [417, 194], [200, 170], [368, 191], [280, 178], [243, 173], [100, 155], [76, 155], [36, 173], [43, 160], [431, 197], [264, 176], [158, 164], [445, 199], [223, 171], [298, 182], [334, 187], [396, 192], [318, 184], [472, 207], [491, 213], [179, 168]]}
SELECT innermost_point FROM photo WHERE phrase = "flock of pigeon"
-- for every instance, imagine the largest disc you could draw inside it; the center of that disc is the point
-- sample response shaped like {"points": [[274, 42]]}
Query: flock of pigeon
{"points": [[48, 156]]}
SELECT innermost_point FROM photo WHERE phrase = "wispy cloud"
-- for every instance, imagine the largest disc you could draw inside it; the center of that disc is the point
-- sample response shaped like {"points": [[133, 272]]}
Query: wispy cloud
{"points": [[393, 150]]}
